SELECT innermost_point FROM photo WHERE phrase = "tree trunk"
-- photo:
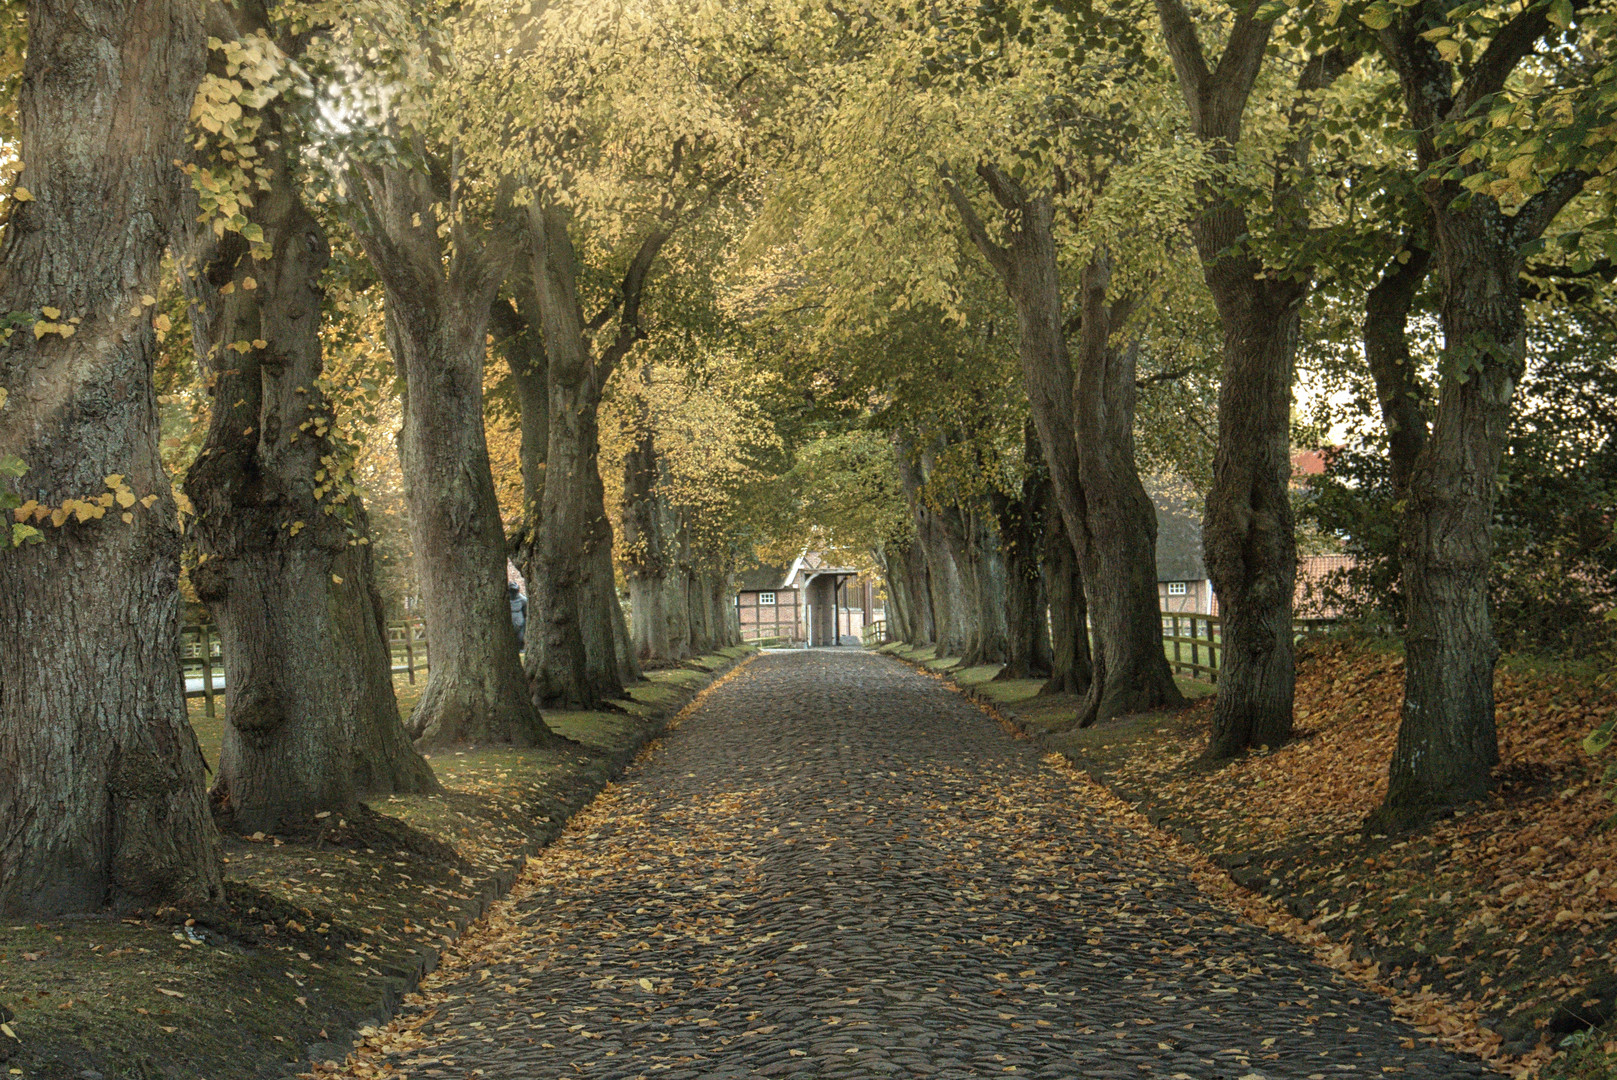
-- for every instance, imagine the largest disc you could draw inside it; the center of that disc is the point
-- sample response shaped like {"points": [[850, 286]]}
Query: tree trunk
{"points": [[1248, 530], [384, 762], [1447, 741], [676, 591], [284, 569], [517, 331], [1071, 670], [101, 781], [1022, 522], [1119, 552], [575, 560], [1086, 425], [644, 558], [438, 313], [900, 602], [923, 622]]}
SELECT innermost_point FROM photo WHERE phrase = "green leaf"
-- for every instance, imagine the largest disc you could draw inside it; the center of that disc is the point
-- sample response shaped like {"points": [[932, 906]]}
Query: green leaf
{"points": [[25, 534], [1377, 16], [12, 466]]}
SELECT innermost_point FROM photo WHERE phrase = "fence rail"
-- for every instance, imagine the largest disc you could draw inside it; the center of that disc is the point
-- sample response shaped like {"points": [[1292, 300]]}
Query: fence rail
{"points": [[202, 661], [874, 633]]}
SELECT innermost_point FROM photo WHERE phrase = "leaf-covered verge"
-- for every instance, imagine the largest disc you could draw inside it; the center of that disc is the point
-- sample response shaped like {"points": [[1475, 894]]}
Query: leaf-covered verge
{"points": [[1495, 929], [322, 933]]}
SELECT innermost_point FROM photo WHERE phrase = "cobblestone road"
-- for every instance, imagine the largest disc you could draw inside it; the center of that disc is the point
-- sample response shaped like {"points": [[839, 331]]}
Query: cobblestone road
{"points": [[835, 867]]}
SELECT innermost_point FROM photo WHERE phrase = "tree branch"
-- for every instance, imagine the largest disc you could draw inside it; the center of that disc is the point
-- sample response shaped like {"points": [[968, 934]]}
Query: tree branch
{"points": [[1536, 214], [1515, 41], [1185, 50], [998, 257]]}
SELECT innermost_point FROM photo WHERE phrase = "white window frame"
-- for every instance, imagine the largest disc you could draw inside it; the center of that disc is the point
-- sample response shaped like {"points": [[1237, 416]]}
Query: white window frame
{"points": [[1178, 588], [766, 599]]}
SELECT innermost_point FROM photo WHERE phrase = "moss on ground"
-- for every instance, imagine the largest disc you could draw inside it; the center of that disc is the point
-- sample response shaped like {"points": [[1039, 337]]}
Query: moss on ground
{"points": [[319, 935]]}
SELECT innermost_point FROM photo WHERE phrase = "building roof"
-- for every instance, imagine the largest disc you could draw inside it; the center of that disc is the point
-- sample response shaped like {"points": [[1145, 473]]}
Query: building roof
{"points": [[759, 578], [1179, 538], [810, 564]]}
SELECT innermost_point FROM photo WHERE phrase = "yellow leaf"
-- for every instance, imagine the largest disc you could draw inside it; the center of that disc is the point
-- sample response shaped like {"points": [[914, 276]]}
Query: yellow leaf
{"points": [[162, 323], [129, 519], [249, 284], [58, 516], [41, 329], [336, 579], [22, 194], [148, 500], [170, 993], [260, 343], [148, 300], [5, 1029], [645, 984], [115, 481], [84, 511], [66, 329], [51, 312], [27, 508], [126, 498]]}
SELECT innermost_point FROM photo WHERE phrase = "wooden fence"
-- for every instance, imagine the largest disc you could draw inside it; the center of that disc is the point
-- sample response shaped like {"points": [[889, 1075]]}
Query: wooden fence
{"points": [[1202, 636], [1193, 643], [203, 663]]}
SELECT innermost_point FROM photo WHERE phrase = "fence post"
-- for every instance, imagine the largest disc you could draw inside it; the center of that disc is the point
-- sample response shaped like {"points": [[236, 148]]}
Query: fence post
{"points": [[1195, 651], [1212, 653], [409, 653], [207, 667], [1176, 637]]}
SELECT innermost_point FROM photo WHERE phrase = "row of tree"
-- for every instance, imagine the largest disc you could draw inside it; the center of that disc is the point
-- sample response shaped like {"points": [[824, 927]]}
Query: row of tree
{"points": [[932, 281], [1426, 164]]}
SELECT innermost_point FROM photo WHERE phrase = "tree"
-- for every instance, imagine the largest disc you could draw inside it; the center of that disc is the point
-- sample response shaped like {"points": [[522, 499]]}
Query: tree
{"points": [[1452, 61], [1250, 543], [311, 721], [441, 237], [617, 146], [101, 784], [951, 127]]}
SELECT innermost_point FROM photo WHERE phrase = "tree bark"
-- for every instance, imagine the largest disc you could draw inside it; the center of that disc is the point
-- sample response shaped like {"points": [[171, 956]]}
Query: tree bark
{"points": [[516, 331], [676, 589], [1386, 352], [438, 319], [922, 623], [101, 782], [1021, 527], [890, 559], [1071, 668], [975, 555], [1447, 740]]}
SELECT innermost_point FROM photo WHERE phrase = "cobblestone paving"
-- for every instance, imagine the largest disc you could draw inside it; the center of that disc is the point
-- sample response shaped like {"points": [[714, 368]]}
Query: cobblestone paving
{"points": [[835, 867]]}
